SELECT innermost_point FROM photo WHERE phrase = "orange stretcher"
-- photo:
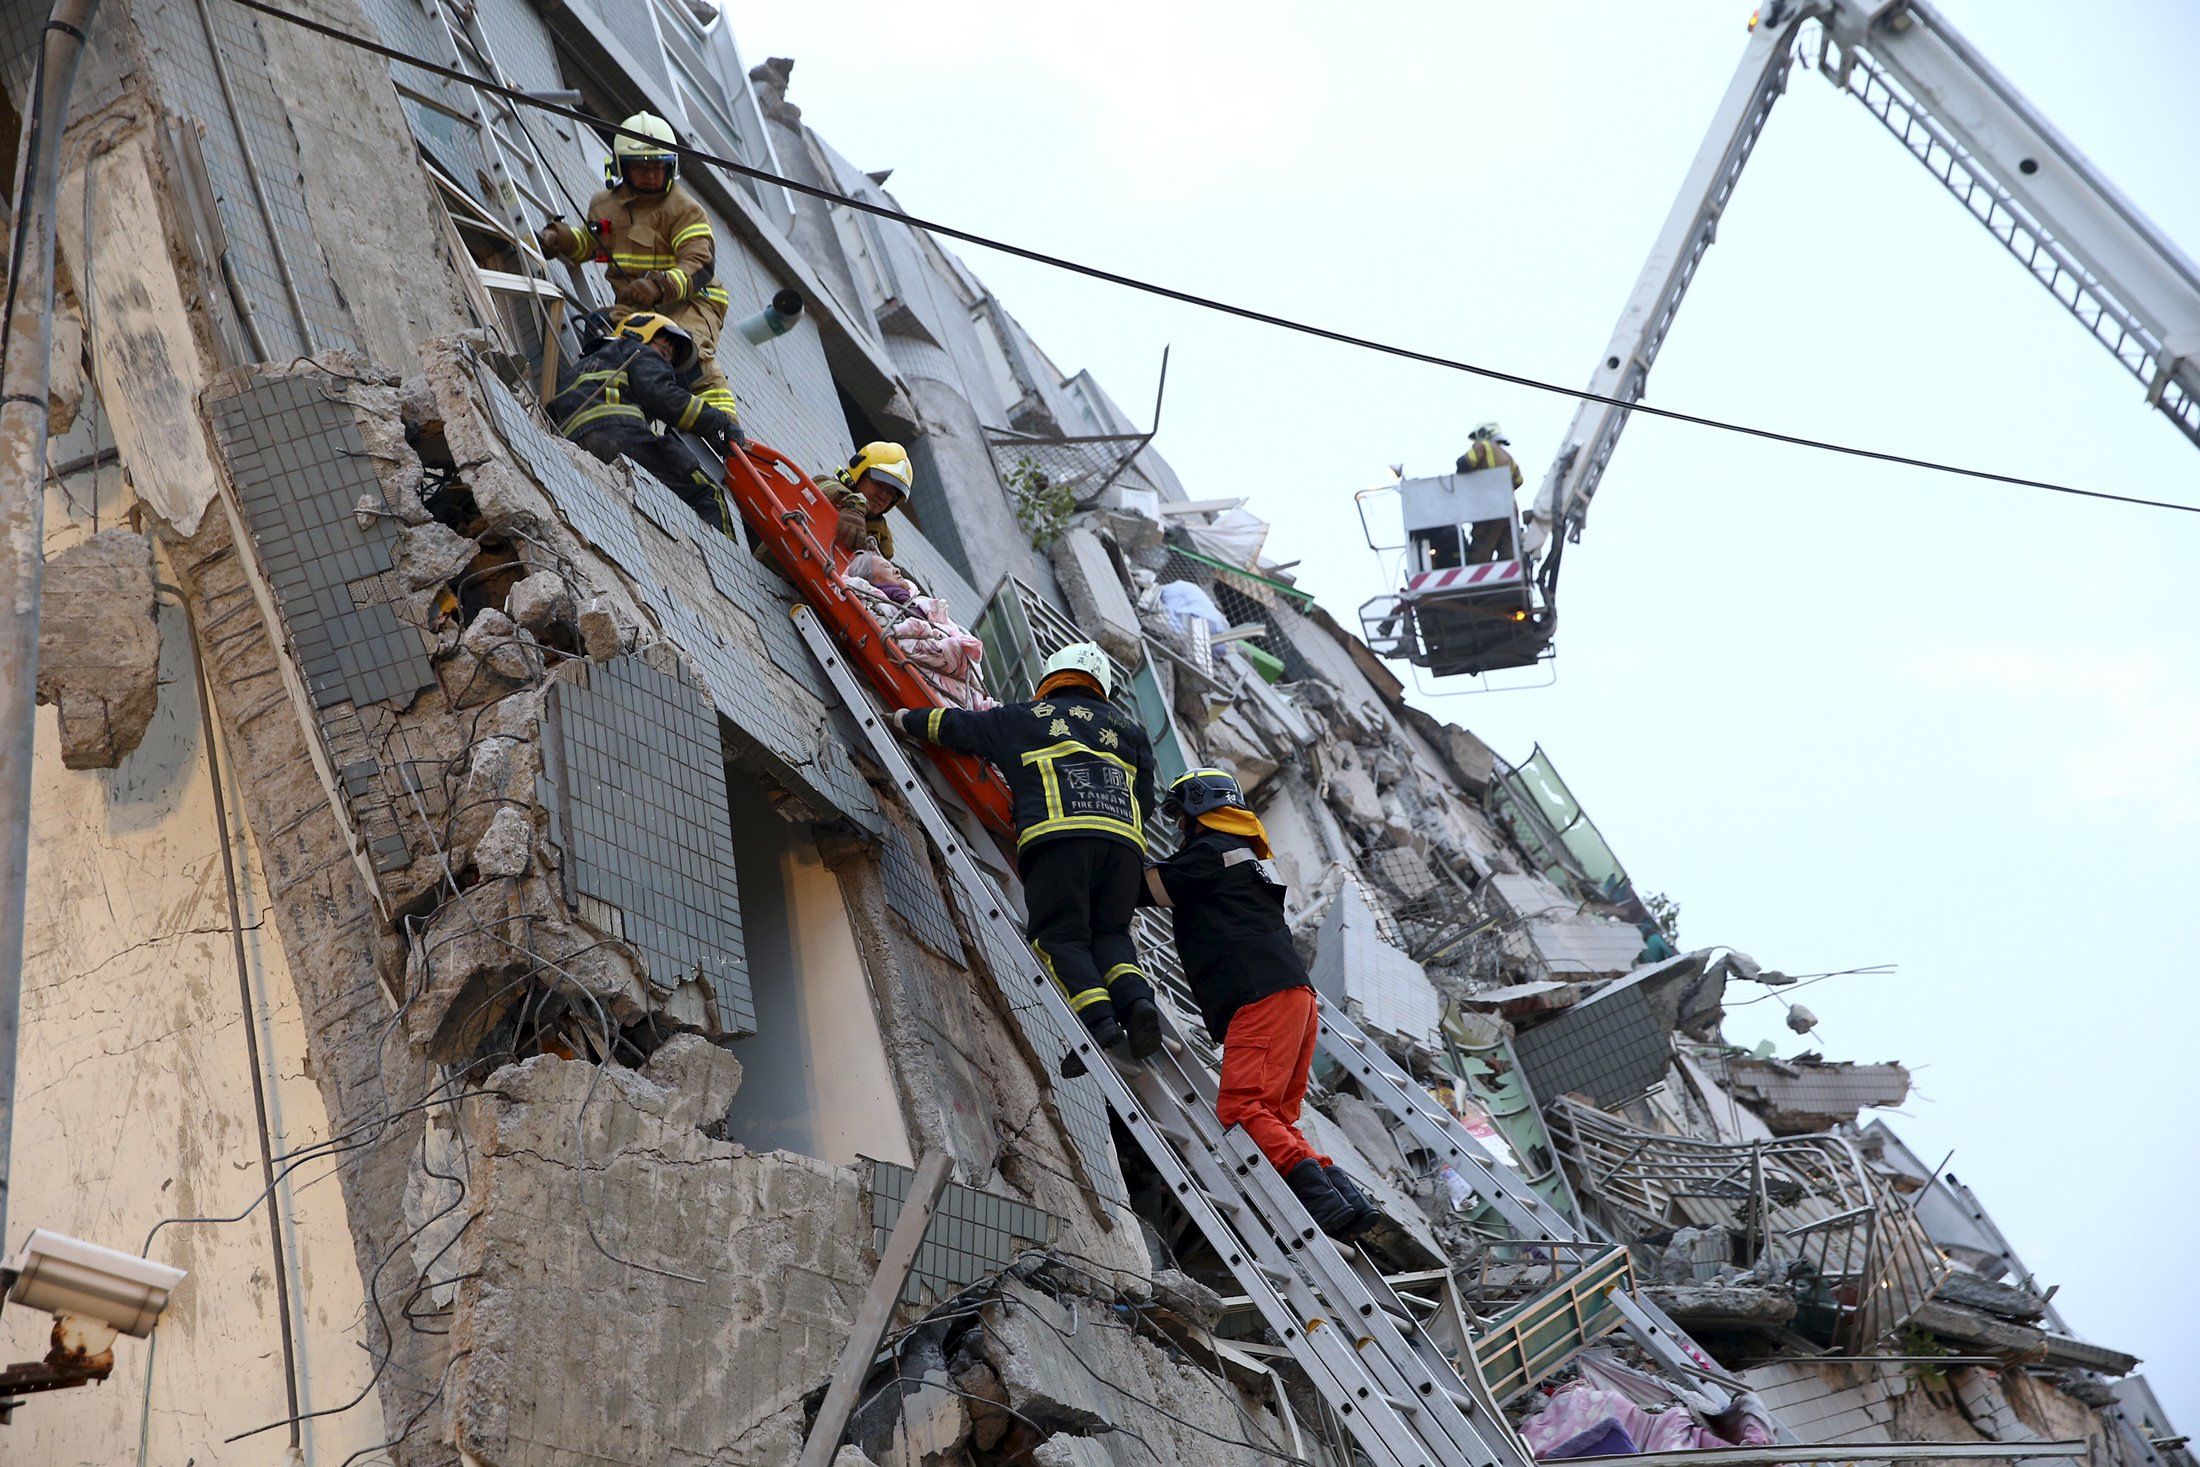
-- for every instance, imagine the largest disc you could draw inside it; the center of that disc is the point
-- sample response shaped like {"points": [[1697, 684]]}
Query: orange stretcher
{"points": [[794, 520]]}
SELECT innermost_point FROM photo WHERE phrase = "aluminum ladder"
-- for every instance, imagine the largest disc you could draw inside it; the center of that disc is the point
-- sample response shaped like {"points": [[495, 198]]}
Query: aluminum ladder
{"points": [[521, 191], [1402, 1402]]}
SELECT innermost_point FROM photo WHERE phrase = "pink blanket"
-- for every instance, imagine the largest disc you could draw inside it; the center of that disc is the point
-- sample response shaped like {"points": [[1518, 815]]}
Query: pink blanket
{"points": [[946, 653]]}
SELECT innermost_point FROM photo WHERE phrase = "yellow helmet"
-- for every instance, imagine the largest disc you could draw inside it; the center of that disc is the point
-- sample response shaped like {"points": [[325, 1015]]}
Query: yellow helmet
{"points": [[652, 146], [647, 326], [885, 464]]}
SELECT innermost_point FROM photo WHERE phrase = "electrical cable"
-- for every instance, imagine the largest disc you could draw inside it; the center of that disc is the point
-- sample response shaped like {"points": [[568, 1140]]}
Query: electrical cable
{"points": [[1211, 303]]}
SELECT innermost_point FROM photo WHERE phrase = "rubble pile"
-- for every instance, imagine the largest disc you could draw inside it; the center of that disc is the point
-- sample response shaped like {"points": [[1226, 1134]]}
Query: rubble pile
{"points": [[526, 874]]}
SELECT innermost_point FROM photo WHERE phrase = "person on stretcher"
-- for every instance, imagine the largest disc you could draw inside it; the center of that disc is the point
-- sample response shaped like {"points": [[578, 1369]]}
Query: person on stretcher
{"points": [[921, 627]]}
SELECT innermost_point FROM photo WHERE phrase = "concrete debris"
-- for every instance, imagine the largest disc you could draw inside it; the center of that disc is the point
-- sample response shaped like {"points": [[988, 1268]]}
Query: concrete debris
{"points": [[494, 656], [500, 776], [99, 646], [592, 1255], [507, 847], [1067, 1366], [433, 554], [1802, 1096], [2006, 1300], [469, 965], [1723, 1307], [600, 633], [560, 1355], [1191, 1301], [1086, 571], [701, 1077], [539, 601]]}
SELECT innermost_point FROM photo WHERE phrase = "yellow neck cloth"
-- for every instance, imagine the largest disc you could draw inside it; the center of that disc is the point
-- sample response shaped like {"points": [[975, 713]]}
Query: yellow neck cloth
{"points": [[1240, 822]]}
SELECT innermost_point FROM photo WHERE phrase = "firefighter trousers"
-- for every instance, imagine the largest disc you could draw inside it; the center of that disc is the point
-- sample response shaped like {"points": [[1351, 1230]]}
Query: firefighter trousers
{"points": [[666, 458], [1079, 894], [1266, 1055]]}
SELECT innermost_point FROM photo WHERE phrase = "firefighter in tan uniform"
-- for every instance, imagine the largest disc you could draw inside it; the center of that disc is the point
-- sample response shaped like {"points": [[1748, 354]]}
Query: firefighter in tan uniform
{"points": [[877, 479], [656, 245], [1487, 449]]}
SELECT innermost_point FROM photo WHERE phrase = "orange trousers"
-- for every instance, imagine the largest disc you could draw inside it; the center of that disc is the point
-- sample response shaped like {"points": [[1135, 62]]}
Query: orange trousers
{"points": [[1265, 1059]]}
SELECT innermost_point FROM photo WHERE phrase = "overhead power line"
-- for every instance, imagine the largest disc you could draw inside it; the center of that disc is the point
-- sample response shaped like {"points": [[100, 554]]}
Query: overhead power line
{"points": [[1191, 298]]}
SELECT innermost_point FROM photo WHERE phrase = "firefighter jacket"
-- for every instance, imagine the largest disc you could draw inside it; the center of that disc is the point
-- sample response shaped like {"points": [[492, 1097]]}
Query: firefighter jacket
{"points": [[1484, 454], [667, 233], [1230, 930], [624, 381], [852, 504], [1074, 764]]}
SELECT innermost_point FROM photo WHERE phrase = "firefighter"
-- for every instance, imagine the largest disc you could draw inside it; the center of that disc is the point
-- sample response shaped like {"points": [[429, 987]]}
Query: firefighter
{"points": [[1487, 448], [608, 400], [1254, 995], [1082, 777], [656, 245], [877, 479]]}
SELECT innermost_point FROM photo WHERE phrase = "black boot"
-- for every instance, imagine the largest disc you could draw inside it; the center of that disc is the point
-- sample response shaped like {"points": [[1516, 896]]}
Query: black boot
{"points": [[1142, 1021], [1104, 1030], [1323, 1203], [1364, 1212]]}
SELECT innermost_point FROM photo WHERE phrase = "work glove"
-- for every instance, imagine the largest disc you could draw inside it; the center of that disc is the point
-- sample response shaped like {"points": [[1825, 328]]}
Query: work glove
{"points": [[853, 533], [645, 292], [722, 433], [558, 239]]}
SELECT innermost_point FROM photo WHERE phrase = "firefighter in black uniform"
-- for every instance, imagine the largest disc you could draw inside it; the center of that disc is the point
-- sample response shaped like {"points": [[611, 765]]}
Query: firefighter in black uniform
{"points": [[636, 376], [1082, 778], [1252, 989]]}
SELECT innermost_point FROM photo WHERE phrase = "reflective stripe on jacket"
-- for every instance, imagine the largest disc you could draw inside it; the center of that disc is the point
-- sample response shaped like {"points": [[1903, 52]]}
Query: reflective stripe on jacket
{"points": [[1484, 454], [625, 379], [1075, 765]]}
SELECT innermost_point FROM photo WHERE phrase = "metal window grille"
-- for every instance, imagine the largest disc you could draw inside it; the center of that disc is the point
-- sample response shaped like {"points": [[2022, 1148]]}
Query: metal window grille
{"points": [[1243, 598], [1810, 1199]]}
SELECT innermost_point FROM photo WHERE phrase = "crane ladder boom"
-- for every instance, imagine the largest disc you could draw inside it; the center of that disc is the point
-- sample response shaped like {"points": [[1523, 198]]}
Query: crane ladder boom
{"points": [[2042, 199]]}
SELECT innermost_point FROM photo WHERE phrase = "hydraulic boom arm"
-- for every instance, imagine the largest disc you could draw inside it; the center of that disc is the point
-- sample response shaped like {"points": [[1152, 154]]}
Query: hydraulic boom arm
{"points": [[2132, 289]]}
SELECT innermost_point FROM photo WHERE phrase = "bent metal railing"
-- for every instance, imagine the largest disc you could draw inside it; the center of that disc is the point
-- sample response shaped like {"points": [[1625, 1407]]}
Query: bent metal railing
{"points": [[1806, 1199]]}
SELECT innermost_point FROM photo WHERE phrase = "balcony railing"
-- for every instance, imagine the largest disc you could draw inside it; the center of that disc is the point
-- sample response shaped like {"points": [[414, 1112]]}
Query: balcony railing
{"points": [[1804, 1199]]}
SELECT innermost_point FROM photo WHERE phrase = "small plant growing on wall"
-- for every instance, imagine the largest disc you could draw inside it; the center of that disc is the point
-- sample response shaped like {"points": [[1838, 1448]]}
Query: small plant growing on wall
{"points": [[1043, 507]]}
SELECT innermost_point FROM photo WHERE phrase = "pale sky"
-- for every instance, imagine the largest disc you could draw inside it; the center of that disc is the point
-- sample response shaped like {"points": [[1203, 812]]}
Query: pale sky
{"points": [[1843, 713]]}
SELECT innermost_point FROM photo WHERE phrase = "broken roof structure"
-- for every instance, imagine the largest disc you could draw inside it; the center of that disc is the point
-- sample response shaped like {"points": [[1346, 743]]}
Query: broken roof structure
{"points": [[466, 896]]}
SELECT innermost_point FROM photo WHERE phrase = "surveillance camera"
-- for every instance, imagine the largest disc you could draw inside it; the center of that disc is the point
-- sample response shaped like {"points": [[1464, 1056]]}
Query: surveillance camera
{"points": [[61, 1275]]}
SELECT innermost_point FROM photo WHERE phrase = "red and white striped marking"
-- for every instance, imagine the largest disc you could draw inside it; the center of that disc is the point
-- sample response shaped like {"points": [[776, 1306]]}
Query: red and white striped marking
{"points": [[1460, 577]]}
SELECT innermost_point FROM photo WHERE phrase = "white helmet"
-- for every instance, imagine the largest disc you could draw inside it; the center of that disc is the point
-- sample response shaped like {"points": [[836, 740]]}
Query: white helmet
{"points": [[1084, 657], [1489, 431]]}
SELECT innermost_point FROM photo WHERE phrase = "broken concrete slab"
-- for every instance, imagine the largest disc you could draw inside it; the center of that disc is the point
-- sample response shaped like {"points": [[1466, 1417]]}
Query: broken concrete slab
{"points": [[99, 646], [562, 1354], [701, 1077], [1723, 1306], [1803, 1096], [1096, 596], [538, 601], [1080, 1376], [432, 554]]}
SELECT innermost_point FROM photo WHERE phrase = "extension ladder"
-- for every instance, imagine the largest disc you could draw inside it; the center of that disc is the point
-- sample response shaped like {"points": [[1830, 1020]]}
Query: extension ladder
{"points": [[1385, 1381], [518, 185]]}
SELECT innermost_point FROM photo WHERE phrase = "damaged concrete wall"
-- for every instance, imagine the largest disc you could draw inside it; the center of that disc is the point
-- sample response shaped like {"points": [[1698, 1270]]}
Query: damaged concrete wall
{"points": [[716, 1291], [136, 1101]]}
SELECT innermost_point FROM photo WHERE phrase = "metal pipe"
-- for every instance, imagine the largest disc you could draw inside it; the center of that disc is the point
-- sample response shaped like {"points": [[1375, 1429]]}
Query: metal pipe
{"points": [[248, 1011], [24, 351], [259, 186]]}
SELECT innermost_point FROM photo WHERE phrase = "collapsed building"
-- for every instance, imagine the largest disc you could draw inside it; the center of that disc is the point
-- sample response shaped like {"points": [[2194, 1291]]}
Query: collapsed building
{"points": [[469, 930]]}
